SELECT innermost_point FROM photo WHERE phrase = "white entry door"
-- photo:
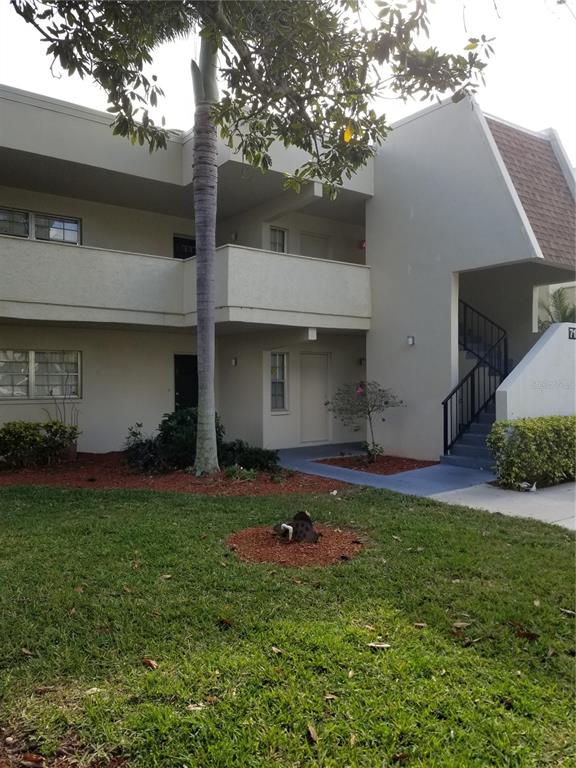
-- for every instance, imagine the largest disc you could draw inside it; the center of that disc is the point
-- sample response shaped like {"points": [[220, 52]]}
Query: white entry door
{"points": [[313, 397]]}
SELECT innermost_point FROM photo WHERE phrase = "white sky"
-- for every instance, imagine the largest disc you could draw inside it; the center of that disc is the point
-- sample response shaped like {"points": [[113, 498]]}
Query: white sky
{"points": [[530, 81]]}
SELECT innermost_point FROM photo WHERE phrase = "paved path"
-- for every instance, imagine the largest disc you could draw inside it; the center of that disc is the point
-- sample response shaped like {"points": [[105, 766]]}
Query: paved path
{"points": [[416, 482], [550, 505], [442, 482]]}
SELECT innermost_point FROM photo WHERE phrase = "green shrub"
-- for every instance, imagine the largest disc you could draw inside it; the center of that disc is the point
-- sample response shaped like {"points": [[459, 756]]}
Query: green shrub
{"points": [[142, 452], [59, 438], [32, 443], [177, 437], [235, 472], [540, 450], [248, 456], [174, 447]]}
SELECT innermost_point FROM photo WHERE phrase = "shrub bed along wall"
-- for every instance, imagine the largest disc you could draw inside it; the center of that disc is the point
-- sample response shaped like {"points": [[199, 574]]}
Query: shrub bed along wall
{"points": [[174, 447], [33, 443], [540, 450]]}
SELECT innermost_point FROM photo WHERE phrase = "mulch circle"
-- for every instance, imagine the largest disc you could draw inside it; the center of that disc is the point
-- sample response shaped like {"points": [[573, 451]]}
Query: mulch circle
{"points": [[108, 471], [384, 465], [260, 545]]}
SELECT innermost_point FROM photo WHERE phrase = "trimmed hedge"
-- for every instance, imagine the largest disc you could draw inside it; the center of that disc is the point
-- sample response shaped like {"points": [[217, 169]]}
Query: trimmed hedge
{"points": [[33, 443], [540, 450]]}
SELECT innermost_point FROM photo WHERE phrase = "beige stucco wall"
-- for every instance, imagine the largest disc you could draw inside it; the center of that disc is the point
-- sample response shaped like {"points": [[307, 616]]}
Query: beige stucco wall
{"points": [[30, 122], [543, 384], [58, 282], [127, 376], [506, 295], [53, 281], [38, 124], [269, 287], [441, 205], [244, 389], [106, 226], [342, 239]]}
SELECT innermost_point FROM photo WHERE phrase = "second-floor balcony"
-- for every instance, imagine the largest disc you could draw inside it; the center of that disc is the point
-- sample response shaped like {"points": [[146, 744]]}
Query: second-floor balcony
{"points": [[51, 282]]}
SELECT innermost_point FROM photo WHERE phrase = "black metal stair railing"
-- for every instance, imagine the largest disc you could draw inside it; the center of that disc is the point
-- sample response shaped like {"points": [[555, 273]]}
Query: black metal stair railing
{"points": [[488, 343], [477, 333]]}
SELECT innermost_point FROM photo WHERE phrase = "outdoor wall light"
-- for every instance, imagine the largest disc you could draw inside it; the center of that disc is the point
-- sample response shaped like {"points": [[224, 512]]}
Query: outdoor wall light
{"points": [[234, 362], [411, 340]]}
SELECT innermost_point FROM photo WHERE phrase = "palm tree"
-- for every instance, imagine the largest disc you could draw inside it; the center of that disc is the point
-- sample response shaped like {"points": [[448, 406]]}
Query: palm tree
{"points": [[558, 308], [205, 181]]}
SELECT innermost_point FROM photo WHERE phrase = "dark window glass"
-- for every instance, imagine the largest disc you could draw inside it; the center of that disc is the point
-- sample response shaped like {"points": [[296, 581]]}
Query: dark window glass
{"points": [[278, 381], [57, 229], [184, 247], [13, 223]]}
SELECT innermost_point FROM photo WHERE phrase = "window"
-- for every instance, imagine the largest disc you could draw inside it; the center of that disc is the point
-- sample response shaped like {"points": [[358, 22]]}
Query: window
{"points": [[39, 374], [60, 230], [39, 226], [278, 239], [278, 362], [13, 223], [184, 247]]}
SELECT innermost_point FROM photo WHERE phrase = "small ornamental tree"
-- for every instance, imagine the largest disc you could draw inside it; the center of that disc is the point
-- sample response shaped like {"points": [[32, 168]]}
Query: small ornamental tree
{"points": [[354, 404]]}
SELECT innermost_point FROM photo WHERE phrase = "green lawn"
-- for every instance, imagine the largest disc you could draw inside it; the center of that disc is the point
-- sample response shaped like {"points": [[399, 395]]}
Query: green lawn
{"points": [[84, 592]]}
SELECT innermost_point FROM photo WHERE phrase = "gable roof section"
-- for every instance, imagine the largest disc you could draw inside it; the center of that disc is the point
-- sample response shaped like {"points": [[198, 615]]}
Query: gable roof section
{"points": [[542, 188]]}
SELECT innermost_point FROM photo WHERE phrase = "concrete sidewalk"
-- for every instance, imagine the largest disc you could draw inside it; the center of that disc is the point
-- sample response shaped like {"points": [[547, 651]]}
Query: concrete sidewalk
{"points": [[417, 482], [443, 482], [550, 505]]}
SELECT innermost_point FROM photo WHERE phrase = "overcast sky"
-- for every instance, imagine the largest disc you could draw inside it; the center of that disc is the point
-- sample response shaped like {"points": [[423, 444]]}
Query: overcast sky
{"points": [[531, 80]]}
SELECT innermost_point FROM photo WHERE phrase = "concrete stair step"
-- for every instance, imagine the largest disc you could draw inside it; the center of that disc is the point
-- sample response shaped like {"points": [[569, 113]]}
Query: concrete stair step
{"points": [[466, 461], [472, 451], [485, 418], [480, 429], [473, 438]]}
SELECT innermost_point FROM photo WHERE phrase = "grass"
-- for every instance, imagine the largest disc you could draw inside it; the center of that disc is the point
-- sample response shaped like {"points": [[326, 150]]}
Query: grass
{"points": [[85, 593]]}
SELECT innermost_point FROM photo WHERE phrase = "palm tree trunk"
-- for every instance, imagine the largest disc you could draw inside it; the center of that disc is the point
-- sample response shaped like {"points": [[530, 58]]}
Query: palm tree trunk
{"points": [[205, 181]]}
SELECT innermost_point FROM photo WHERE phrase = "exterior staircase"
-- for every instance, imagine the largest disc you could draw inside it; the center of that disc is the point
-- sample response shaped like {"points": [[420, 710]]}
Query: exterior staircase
{"points": [[469, 409], [470, 449]]}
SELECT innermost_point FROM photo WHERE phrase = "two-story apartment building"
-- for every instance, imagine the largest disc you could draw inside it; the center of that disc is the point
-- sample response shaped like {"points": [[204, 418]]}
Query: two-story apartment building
{"points": [[97, 273]]}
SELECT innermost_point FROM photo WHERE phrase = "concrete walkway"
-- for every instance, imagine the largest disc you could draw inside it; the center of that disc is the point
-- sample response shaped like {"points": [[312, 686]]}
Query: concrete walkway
{"points": [[442, 482], [550, 505], [417, 482]]}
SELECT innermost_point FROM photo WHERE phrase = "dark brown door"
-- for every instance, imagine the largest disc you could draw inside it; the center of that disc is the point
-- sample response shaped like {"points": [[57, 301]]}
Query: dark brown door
{"points": [[185, 381]]}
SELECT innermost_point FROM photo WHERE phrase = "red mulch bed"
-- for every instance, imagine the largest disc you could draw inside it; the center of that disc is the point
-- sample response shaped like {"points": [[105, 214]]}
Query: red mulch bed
{"points": [[65, 758], [384, 465], [108, 471], [260, 545]]}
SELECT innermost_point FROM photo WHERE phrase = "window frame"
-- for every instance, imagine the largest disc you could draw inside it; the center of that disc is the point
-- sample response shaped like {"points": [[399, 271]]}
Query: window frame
{"points": [[285, 238], [32, 225], [285, 367], [31, 376]]}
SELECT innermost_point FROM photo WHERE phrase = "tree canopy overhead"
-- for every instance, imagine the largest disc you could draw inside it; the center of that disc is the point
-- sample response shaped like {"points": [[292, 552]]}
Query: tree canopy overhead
{"points": [[304, 72]]}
